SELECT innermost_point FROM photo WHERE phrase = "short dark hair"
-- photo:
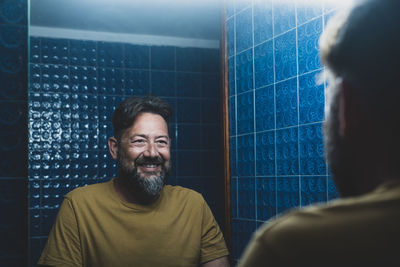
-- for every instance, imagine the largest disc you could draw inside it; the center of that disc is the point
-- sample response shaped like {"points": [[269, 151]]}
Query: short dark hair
{"points": [[127, 112]]}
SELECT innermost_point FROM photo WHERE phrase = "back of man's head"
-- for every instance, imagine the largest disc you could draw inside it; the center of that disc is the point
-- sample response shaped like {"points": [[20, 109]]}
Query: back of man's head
{"points": [[362, 48], [364, 44]]}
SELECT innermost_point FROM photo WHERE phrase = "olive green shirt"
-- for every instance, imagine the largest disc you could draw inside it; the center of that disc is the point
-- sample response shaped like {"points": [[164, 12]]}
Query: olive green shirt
{"points": [[359, 231], [94, 227]]}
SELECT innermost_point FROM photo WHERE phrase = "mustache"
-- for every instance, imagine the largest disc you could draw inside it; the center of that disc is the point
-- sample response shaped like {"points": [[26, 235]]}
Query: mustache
{"points": [[149, 160]]}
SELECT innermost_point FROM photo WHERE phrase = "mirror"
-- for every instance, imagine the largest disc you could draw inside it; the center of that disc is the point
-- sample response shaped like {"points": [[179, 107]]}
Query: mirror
{"points": [[86, 57]]}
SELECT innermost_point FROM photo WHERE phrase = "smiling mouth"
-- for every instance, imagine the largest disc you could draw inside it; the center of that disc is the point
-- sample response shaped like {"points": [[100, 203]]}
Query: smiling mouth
{"points": [[150, 167]]}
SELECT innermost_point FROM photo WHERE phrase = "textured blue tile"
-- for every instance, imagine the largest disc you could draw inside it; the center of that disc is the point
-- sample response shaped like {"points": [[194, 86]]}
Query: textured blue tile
{"points": [[307, 10], [35, 219], [188, 84], [210, 85], [36, 247], [13, 60], [83, 53], [13, 226], [288, 193], [54, 77], [265, 151], [241, 5], [48, 218], [163, 83], [230, 8], [188, 59], [232, 154], [162, 57], [245, 155], [211, 136], [308, 38], [242, 231], [137, 82], [313, 190], [137, 56], [54, 51], [262, 21], [264, 64], [231, 36], [245, 113], [286, 103], [13, 36], [212, 164], [211, 111], [231, 76], [287, 156], [246, 198], [266, 198], [311, 98], [189, 110], [232, 115], [14, 12], [265, 108], [312, 161], [35, 56], [13, 86], [189, 163], [244, 30], [285, 56], [244, 71], [210, 60], [284, 16], [110, 54], [173, 103], [13, 141], [332, 190], [111, 81], [82, 79], [234, 197], [189, 136]]}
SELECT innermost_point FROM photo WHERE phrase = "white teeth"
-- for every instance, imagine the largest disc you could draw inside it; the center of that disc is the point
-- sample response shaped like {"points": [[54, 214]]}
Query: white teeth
{"points": [[150, 166]]}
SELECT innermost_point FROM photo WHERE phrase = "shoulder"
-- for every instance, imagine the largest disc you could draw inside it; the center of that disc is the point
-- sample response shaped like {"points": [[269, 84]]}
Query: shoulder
{"points": [[89, 192], [309, 222]]}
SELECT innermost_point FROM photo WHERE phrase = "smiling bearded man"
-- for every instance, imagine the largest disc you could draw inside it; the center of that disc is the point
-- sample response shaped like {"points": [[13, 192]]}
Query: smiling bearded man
{"points": [[135, 219]]}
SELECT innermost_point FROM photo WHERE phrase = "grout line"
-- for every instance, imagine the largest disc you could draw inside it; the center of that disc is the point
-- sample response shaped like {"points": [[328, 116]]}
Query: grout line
{"points": [[236, 120], [254, 114], [275, 130], [298, 103]]}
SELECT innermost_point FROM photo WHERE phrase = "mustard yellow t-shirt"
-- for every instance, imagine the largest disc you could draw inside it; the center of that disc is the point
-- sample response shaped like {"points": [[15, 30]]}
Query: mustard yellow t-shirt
{"points": [[94, 227], [357, 231]]}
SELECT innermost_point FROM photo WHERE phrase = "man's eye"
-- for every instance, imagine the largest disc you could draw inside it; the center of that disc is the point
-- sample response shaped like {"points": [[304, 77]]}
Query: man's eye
{"points": [[138, 142], [162, 142]]}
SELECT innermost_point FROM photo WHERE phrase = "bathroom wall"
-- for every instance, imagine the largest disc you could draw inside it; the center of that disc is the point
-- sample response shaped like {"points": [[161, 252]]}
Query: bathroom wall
{"points": [[13, 141], [75, 86], [276, 110]]}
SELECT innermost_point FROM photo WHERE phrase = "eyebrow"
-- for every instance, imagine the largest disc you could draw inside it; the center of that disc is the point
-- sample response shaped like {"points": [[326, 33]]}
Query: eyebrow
{"points": [[146, 136]]}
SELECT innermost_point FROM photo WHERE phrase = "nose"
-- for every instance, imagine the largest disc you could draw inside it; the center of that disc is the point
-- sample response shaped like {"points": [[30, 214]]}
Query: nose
{"points": [[151, 150]]}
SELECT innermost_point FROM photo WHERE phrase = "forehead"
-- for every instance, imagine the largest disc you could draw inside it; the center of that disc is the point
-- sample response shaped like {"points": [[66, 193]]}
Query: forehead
{"points": [[149, 124]]}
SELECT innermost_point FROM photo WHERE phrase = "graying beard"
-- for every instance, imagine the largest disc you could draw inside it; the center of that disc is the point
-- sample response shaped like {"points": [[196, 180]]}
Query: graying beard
{"points": [[151, 186]]}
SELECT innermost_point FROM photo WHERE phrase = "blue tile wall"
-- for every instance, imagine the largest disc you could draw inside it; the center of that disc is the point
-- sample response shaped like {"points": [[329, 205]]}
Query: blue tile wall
{"points": [[276, 111], [14, 134], [75, 86]]}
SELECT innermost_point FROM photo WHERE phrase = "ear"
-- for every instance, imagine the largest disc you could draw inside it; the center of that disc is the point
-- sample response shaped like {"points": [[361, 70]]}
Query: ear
{"points": [[113, 147], [349, 108]]}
